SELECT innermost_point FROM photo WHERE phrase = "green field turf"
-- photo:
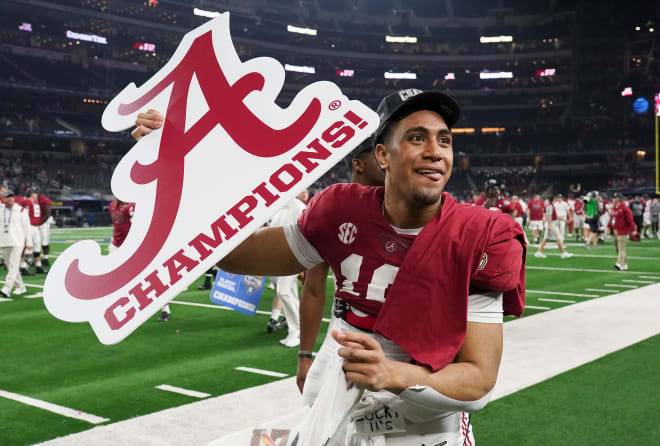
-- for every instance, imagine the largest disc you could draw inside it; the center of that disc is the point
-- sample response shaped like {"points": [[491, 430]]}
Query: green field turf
{"points": [[63, 363]]}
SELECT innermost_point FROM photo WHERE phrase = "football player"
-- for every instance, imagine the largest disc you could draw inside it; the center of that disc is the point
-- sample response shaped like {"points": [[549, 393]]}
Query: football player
{"points": [[404, 258], [35, 214], [536, 208]]}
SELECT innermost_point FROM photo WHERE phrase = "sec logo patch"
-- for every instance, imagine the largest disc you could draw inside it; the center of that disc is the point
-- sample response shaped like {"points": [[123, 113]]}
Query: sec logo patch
{"points": [[347, 233], [391, 246]]}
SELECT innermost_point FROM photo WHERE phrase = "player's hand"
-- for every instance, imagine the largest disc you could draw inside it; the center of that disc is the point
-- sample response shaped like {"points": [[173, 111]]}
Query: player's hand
{"points": [[146, 123], [28, 248], [301, 374], [365, 363]]}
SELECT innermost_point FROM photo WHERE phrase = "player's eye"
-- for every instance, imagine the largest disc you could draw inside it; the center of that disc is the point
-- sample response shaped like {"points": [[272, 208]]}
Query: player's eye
{"points": [[416, 138], [445, 140]]}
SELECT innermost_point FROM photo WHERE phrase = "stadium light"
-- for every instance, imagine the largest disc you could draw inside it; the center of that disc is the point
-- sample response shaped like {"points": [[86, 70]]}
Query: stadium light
{"points": [[300, 69], [86, 37], [450, 76], [495, 75], [390, 75], [345, 73], [627, 91], [492, 129], [637, 28], [301, 30], [463, 130], [205, 13], [25, 27], [495, 39], [400, 39], [144, 46], [548, 72]]}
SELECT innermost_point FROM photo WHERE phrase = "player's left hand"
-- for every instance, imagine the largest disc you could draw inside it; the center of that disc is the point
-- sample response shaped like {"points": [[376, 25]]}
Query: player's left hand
{"points": [[365, 363]]}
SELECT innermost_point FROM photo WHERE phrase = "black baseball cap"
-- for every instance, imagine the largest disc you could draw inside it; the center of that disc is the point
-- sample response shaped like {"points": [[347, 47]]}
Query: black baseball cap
{"points": [[8, 193], [492, 182], [410, 100], [365, 146]]}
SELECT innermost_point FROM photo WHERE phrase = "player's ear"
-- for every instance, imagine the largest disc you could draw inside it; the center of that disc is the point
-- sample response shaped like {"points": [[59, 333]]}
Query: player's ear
{"points": [[382, 156], [358, 165]]}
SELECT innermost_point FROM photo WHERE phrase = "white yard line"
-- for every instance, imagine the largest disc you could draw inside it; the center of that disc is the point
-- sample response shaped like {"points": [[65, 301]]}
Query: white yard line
{"points": [[220, 307], [620, 286], [650, 277], [193, 393], [550, 268], [91, 228], [34, 296], [600, 291], [4, 299], [61, 410], [602, 256], [557, 293], [533, 307], [563, 301], [27, 284], [261, 372], [638, 281]]}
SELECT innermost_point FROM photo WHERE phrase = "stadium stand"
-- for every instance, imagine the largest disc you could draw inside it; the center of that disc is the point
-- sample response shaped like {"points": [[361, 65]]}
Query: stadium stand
{"points": [[553, 118]]}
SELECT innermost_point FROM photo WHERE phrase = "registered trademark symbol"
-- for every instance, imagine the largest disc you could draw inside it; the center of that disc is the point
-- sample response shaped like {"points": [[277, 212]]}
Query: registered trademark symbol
{"points": [[334, 105]]}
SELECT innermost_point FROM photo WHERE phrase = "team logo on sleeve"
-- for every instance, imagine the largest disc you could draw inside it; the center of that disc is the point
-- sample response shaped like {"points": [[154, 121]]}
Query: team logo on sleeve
{"points": [[224, 135], [347, 233]]}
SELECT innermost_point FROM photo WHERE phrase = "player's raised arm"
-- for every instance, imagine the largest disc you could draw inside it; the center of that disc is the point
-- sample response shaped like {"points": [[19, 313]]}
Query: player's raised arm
{"points": [[266, 252]]}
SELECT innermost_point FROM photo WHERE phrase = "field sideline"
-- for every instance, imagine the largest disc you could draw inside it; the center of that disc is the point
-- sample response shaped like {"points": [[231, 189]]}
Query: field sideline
{"points": [[200, 349]]}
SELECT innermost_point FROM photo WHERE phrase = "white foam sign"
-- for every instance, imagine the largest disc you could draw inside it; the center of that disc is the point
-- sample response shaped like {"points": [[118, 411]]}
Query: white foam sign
{"points": [[226, 159]]}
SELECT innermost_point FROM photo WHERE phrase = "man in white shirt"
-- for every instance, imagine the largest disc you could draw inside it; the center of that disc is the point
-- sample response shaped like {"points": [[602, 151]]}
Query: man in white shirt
{"points": [[14, 236], [563, 210]]}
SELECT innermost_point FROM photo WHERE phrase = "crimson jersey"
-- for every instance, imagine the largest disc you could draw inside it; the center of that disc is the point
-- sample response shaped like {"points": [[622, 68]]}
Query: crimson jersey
{"points": [[578, 207], [536, 209], [34, 211], [346, 225], [121, 215], [518, 207], [480, 201]]}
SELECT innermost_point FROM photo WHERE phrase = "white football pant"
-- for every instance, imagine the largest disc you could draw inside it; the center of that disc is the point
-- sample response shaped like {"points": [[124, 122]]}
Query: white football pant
{"points": [[12, 256], [286, 288]]}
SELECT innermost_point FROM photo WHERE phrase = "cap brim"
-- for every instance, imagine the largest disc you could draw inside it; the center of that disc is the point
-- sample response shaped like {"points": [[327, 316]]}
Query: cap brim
{"points": [[435, 101]]}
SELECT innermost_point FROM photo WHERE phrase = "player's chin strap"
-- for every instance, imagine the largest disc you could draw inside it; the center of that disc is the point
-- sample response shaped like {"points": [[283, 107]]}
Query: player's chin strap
{"points": [[430, 399]]}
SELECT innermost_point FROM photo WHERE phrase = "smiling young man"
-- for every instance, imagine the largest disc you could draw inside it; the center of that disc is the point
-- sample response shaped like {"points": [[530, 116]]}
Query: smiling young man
{"points": [[424, 283]]}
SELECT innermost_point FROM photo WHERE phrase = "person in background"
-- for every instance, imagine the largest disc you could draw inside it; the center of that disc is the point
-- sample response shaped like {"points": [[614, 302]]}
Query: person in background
{"points": [[592, 217], [655, 217], [14, 237], [33, 209], [554, 229], [365, 170], [536, 208], [286, 287], [637, 209], [646, 217], [622, 225]]}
